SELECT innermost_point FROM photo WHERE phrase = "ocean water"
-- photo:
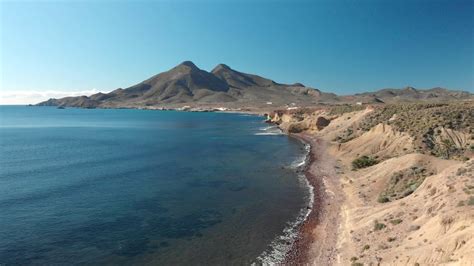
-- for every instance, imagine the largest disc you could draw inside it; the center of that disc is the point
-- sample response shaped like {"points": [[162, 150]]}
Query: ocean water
{"points": [[98, 186]]}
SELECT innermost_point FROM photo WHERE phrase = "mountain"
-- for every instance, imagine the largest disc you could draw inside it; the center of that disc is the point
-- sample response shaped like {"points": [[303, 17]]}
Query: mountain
{"points": [[409, 94], [186, 84]]}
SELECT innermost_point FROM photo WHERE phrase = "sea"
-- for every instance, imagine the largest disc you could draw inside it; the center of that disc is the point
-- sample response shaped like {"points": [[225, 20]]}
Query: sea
{"points": [[127, 187]]}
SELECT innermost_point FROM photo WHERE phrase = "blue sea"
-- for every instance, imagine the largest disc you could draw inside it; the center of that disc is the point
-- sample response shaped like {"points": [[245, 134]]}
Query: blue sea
{"points": [[122, 186]]}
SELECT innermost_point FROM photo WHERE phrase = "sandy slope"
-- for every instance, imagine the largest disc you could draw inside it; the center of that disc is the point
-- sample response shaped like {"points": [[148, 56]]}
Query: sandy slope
{"points": [[434, 225], [427, 227]]}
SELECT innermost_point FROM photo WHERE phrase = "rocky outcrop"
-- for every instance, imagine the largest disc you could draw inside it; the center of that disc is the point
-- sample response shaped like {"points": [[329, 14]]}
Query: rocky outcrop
{"points": [[322, 122], [301, 119]]}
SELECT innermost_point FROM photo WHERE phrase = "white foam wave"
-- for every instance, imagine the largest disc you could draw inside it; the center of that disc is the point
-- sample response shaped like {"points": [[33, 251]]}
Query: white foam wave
{"points": [[269, 131], [267, 134], [298, 163], [280, 246]]}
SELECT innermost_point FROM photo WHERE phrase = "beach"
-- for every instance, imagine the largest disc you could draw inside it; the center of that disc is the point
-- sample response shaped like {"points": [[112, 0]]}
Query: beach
{"points": [[317, 237]]}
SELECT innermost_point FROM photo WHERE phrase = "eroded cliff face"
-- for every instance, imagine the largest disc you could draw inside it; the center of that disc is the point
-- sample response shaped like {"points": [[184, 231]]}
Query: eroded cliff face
{"points": [[441, 130], [301, 120], [412, 200]]}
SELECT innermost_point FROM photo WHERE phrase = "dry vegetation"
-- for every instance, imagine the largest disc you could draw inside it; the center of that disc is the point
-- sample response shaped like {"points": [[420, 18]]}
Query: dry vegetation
{"points": [[407, 172], [440, 129]]}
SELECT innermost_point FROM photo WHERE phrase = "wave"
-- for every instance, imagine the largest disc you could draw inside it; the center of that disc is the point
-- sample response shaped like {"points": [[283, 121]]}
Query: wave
{"points": [[280, 246], [300, 162], [269, 131], [268, 134]]}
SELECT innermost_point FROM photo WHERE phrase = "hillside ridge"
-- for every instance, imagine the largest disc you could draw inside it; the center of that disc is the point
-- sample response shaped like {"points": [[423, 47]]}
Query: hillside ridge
{"points": [[188, 85]]}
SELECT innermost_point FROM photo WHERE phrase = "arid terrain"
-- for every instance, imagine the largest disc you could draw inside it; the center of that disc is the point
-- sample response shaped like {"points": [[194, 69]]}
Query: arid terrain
{"points": [[393, 169], [400, 186], [187, 87]]}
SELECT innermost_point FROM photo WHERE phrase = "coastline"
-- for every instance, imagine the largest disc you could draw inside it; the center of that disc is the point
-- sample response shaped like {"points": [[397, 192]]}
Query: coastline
{"points": [[323, 221], [339, 226]]}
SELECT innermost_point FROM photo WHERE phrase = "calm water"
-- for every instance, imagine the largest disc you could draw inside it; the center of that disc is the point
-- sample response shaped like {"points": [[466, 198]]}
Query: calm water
{"points": [[137, 187]]}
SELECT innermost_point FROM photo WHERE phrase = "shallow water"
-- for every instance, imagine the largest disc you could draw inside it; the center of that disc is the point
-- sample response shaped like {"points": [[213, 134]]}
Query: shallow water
{"points": [[136, 187]]}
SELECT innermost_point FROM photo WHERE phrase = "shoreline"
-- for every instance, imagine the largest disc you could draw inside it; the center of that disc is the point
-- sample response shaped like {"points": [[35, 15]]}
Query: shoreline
{"points": [[323, 221]]}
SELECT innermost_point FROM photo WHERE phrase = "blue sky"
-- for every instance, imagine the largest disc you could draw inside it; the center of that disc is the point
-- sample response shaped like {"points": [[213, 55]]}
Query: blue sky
{"points": [[337, 46]]}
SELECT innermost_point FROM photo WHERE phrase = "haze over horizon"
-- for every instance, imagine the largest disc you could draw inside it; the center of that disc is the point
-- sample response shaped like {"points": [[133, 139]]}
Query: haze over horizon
{"points": [[56, 49]]}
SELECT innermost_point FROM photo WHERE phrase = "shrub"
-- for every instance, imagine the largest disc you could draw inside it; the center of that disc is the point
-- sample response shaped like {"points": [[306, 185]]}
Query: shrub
{"points": [[414, 228], [379, 226], [470, 202], [396, 221], [383, 199], [403, 183], [363, 162]]}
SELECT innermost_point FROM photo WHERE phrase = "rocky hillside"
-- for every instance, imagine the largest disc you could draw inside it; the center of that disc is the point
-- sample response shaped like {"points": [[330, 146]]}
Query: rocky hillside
{"points": [[443, 130], [187, 85], [407, 176], [408, 94]]}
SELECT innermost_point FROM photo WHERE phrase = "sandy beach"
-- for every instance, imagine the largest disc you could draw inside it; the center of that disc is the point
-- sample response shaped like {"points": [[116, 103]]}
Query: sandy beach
{"points": [[318, 234]]}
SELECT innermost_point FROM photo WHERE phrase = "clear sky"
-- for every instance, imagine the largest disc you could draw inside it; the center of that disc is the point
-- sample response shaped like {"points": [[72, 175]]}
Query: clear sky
{"points": [[75, 47]]}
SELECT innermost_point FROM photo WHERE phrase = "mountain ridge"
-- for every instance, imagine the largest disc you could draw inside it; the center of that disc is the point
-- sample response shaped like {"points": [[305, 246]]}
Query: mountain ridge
{"points": [[187, 84]]}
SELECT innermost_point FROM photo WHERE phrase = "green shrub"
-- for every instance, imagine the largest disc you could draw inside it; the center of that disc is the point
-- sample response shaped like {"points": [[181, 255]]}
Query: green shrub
{"points": [[396, 221], [383, 199], [363, 162], [379, 226], [470, 202]]}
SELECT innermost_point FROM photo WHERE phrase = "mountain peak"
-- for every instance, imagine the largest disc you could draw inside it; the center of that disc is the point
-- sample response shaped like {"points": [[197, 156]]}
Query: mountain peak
{"points": [[409, 88], [188, 64], [221, 67]]}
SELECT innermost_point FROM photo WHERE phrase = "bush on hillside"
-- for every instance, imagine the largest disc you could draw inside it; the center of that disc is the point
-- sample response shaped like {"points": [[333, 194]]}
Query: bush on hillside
{"points": [[363, 162]]}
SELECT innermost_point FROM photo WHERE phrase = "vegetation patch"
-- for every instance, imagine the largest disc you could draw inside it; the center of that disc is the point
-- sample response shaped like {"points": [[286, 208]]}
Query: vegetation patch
{"points": [[363, 162], [396, 221], [378, 226], [470, 202], [427, 124], [403, 183], [345, 108]]}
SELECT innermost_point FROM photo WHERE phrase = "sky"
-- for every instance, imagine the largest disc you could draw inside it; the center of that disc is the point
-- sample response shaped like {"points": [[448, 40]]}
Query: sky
{"points": [[58, 48]]}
